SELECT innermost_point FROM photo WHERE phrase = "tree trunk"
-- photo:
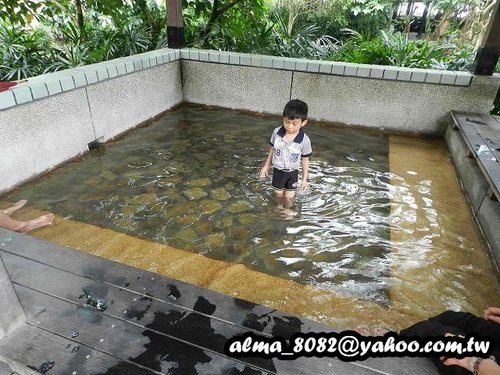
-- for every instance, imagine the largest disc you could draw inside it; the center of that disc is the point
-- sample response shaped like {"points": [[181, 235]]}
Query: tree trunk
{"points": [[79, 18], [216, 13], [443, 25]]}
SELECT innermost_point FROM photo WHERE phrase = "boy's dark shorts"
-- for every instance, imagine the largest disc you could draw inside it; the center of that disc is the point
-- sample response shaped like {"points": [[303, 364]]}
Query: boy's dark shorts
{"points": [[285, 180]]}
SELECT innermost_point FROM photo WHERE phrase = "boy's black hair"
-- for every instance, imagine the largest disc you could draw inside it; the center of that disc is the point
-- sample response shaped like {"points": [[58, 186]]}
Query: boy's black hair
{"points": [[295, 109]]}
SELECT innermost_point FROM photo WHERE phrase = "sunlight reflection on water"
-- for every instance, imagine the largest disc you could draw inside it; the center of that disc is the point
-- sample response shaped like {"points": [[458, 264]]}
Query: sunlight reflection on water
{"points": [[190, 181]]}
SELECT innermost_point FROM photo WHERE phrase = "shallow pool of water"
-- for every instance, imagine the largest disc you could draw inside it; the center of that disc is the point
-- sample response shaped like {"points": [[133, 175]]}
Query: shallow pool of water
{"points": [[190, 181]]}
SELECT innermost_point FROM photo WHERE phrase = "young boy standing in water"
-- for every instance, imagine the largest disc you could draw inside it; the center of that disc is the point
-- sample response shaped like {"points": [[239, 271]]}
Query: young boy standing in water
{"points": [[289, 146]]}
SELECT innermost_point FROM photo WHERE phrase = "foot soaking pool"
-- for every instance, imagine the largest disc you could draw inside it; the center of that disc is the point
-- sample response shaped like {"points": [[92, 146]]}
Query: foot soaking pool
{"points": [[383, 222]]}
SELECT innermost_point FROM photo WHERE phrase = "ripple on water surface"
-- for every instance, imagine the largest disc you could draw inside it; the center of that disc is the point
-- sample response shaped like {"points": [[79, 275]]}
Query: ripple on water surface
{"points": [[190, 180]]}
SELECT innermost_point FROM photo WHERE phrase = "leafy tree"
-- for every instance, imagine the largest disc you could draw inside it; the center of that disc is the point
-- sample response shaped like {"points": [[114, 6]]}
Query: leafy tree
{"points": [[206, 14], [227, 25], [16, 12]]}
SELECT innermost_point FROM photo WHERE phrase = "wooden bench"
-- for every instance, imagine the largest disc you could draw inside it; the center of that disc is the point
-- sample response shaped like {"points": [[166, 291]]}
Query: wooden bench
{"points": [[481, 133]]}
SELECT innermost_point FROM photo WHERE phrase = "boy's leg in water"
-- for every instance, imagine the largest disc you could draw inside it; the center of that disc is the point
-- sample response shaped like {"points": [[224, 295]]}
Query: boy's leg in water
{"points": [[288, 198], [278, 193]]}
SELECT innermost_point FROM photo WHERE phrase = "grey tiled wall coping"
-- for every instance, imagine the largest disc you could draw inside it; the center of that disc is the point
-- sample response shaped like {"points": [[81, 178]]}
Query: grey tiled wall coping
{"points": [[392, 73], [70, 79]]}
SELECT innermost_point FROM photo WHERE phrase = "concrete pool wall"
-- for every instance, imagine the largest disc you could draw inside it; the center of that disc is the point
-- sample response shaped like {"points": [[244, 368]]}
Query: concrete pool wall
{"points": [[52, 118], [383, 97]]}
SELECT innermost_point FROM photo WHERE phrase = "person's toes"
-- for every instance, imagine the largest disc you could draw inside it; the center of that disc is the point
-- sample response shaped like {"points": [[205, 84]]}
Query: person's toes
{"points": [[21, 203], [48, 218], [16, 206]]}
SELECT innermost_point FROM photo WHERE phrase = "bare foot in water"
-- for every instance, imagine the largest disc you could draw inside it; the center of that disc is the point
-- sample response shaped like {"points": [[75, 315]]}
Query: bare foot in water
{"points": [[16, 206], [39, 222]]}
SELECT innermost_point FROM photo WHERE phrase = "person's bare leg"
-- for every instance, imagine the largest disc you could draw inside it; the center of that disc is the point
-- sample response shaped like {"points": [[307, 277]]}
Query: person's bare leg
{"points": [[16, 206], [25, 226], [279, 193], [288, 197], [39, 222]]}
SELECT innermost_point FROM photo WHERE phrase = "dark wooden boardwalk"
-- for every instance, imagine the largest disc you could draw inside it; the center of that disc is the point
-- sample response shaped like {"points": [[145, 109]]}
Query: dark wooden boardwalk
{"points": [[481, 133], [88, 315]]}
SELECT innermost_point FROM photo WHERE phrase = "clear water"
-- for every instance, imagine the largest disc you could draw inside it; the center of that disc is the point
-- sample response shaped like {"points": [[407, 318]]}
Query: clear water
{"points": [[190, 181]]}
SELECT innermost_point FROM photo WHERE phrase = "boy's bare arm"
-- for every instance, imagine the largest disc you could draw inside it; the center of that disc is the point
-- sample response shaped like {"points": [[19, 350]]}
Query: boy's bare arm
{"points": [[267, 164], [305, 173]]}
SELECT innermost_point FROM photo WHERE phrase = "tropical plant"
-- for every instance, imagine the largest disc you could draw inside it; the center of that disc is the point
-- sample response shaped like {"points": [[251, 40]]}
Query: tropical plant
{"points": [[361, 49], [23, 51], [70, 56], [135, 37], [414, 54], [21, 13], [302, 40], [394, 48]]}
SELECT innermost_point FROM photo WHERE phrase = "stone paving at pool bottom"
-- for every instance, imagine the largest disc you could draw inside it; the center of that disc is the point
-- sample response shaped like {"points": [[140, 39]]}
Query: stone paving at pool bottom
{"points": [[422, 158], [89, 315], [436, 253]]}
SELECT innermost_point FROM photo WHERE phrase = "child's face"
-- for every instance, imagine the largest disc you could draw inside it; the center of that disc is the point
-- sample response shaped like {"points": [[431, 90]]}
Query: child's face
{"points": [[293, 126]]}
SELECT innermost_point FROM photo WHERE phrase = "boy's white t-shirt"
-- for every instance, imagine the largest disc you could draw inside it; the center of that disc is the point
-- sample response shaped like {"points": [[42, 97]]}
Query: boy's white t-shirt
{"points": [[287, 156]]}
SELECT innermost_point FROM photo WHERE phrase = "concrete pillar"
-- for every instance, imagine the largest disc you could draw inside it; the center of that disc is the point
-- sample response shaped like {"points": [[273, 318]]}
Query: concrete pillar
{"points": [[11, 314]]}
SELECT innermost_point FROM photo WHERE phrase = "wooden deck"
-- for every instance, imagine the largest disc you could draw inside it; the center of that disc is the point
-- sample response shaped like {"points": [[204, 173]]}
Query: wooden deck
{"points": [[89, 315], [481, 133]]}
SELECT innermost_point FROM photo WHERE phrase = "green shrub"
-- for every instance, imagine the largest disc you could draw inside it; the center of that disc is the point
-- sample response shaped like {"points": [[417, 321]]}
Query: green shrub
{"points": [[360, 49], [393, 48], [24, 52]]}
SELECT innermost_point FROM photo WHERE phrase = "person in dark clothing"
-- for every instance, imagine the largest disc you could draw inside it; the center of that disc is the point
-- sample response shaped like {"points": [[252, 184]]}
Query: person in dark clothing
{"points": [[460, 324]]}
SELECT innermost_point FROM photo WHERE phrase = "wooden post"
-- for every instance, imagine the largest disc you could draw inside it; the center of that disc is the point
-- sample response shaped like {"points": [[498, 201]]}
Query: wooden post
{"points": [[487, 55], [11, 313], [175, 26]]}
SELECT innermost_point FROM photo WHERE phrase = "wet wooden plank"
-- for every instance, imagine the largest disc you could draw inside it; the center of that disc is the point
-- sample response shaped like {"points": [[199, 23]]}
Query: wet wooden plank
{"points": [[39, 278], [38, 349], [145, 347], [152, 350], [11, 313], [491, 134], [482, 139], [196, 327], [234, 310], [191, 330]]}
